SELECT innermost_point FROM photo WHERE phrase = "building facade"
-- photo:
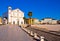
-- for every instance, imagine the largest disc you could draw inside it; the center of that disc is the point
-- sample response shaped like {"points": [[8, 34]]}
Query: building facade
{"points": [[0, 20], [5, 21], [36, 21], [58, 21], [29, 21], [32, 21], [15, 16], [48, 21]]}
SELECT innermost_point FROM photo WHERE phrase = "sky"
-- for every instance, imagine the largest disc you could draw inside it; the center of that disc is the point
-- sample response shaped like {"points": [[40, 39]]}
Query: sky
{"points": [[40, 8]]}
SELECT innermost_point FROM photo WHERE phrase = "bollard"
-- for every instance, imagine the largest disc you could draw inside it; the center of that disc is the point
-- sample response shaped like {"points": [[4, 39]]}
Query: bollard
{"points": [[42, 38], [31, 33], [25, 29], [28, 31], [35, 36]]}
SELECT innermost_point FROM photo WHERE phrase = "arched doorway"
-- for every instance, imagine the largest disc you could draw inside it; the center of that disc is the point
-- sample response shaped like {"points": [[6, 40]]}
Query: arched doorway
{"points": [[18, 22], [13, 22]]}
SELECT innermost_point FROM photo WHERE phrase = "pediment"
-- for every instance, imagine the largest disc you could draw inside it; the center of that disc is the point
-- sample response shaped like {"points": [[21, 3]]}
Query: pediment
{"points": [[18, 10]]}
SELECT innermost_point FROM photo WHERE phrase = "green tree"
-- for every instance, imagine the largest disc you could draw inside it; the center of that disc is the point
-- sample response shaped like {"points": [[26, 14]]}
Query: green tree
{"points": [[30, 14]]}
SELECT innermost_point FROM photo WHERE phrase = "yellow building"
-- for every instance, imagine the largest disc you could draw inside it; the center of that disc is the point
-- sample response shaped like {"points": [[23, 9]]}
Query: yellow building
{"points": [[29, 21], [0, 20], [32, 21]]}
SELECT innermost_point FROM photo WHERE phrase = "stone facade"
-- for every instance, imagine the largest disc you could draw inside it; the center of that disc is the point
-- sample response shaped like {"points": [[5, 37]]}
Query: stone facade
{"points": [[15, 16]]}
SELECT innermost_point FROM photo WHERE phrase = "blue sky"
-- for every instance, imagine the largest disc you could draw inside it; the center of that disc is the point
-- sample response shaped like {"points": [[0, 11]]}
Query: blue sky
{"points": [[39, 8]]}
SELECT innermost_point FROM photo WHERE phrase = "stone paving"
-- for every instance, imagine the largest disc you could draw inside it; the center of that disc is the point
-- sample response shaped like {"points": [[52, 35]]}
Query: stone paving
{"points": [[13, 33]]}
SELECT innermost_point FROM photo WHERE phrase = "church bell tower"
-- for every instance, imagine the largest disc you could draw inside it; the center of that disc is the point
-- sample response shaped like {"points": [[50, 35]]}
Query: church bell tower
{"points": [[9, 14]]}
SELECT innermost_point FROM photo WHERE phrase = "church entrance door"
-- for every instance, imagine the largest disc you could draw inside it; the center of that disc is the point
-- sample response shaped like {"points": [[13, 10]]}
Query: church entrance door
{"points": [[13, 22], [18, 22]]}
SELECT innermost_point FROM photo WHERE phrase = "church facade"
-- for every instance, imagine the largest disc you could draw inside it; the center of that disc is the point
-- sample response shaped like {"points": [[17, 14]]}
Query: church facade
{"points": [[15, 16]]}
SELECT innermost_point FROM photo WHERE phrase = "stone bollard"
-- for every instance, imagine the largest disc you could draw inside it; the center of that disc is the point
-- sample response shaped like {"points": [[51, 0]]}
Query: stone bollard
{"points": [[42, 38], [31, 33], [35, 36], [28, 31], [24, 29]]}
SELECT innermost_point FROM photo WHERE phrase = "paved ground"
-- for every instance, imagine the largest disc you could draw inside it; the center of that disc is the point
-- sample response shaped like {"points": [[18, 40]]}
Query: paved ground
{"points": [[48, 27], [13, 33], [48, 36]]}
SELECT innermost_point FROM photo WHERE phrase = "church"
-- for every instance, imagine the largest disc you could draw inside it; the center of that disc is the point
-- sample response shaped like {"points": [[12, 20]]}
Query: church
{"points": [[15, 16]]}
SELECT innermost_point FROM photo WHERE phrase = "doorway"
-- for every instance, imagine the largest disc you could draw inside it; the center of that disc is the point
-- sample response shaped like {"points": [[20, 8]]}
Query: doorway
{"points": [[13, 22], [18, 22]]}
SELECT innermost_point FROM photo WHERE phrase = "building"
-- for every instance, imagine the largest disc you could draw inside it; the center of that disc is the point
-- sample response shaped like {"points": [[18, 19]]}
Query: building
{"points": [[48, 21], [29, 21], [36, 21], [0, 20], [5, 21], [58, 21], [32, 21], [54, 21], [15, 16]]}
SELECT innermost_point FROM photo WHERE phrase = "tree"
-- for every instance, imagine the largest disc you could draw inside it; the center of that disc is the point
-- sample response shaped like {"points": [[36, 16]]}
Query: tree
{"points": [[30, 15]]}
